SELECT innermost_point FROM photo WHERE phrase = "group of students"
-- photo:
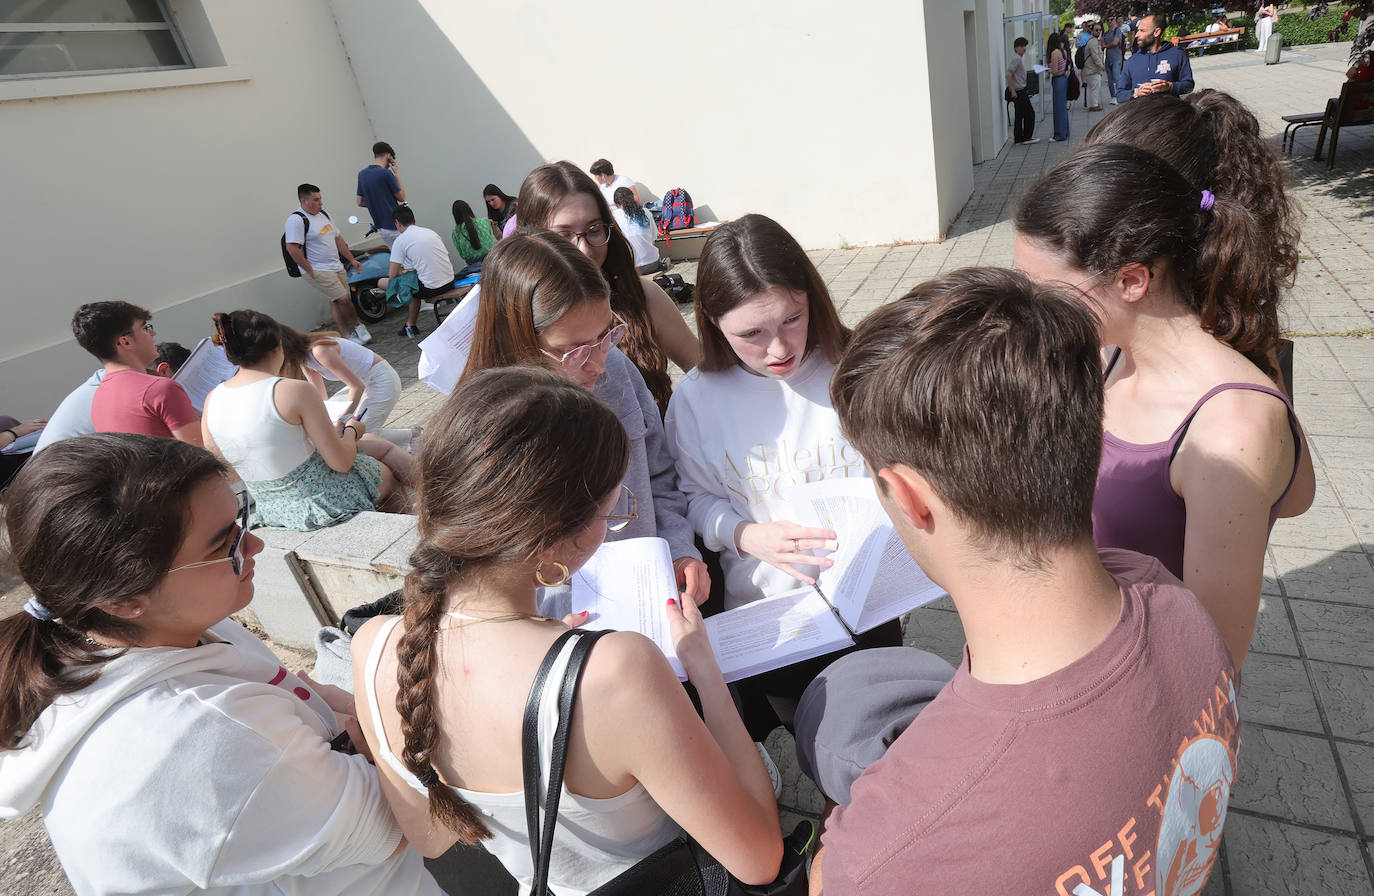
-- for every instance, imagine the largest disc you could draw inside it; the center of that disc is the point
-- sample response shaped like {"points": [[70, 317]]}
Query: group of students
{"points": [[1087, 453]]}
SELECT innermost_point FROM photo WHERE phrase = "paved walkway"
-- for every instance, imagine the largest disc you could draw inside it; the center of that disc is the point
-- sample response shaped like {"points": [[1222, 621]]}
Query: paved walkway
{"points": [[1304, 805]]}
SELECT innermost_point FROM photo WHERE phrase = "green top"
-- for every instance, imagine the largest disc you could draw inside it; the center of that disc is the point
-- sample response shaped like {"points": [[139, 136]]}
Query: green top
{"points": [[485, 239]]}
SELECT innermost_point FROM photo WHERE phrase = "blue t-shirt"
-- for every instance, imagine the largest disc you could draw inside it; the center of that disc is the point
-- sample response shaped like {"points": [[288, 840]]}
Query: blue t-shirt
{"points": [[378, 186]]}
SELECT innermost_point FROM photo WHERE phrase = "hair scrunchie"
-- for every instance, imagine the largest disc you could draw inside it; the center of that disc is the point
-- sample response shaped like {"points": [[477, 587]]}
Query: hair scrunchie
{"points": [[429, 778], [38, 611], [1209, 199]]}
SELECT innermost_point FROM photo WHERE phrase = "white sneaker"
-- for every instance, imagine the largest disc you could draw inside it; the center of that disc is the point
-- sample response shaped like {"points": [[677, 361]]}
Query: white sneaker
{"points": [[773, 774], [426, 306], [360, 335]]}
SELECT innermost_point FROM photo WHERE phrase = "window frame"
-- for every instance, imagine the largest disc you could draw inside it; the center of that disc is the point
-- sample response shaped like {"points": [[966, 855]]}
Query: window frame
{"points": [[167, 24]]}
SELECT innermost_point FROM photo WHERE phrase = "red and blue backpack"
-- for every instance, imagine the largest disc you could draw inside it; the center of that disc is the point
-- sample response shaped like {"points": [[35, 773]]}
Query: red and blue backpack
{"points": [[677, 212]]}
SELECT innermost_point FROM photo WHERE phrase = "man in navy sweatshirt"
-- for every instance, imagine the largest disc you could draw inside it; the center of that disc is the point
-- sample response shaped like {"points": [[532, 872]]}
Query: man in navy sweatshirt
{"points": [[1159, 67]]}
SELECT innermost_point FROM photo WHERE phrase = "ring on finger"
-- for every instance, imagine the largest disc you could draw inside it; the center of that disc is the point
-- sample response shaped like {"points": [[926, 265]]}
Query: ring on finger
{"points": [[796, 545]]}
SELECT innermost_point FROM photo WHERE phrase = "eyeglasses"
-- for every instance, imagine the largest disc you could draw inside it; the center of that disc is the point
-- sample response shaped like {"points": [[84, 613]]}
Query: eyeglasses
{"points": [[235, 557], [575, 358], [597, 234], [146, 326], [624, 512]]}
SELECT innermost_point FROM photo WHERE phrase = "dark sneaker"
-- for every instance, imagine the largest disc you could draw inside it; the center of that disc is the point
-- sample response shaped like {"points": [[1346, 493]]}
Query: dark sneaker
{"points": [[410, 332]]}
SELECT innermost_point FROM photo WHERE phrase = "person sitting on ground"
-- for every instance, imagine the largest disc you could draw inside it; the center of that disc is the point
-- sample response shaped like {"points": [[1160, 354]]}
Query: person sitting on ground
{"points": [[638, 228], [73, 415], [561, 197], [303, 472], [1201, 450], [520, 480], [319, 250], [129, 399], [166, 746], [370, 381], [12, 430], [544, 303], [472, 237], [771, 336], [422, 251], [380, 190], [605, 175], [501, 208], [1093, 686]]}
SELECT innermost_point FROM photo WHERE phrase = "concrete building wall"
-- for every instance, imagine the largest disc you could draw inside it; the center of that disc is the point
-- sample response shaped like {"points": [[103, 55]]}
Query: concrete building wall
{"points": [[168, 189], [848, 123]]}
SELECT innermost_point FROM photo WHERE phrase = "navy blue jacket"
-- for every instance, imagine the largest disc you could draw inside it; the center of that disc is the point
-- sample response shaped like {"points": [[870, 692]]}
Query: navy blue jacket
{"points": [[1170, 63]]}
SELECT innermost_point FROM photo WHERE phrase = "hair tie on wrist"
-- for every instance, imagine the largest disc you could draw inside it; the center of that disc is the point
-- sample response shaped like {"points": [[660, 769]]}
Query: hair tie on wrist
{"points": [[38, 611], [429, 778], [13, 435], [1209, 199]]}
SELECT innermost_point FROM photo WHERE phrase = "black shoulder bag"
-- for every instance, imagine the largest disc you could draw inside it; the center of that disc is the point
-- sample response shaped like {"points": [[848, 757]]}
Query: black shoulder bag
{"points": [[680, 868]]}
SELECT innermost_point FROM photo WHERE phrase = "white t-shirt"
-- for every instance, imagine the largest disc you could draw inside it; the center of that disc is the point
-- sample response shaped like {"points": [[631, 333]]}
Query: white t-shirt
{"points": [[641, 236], [741, 442], [609, 189], [357, 358], [421, 250], [320, 249]]}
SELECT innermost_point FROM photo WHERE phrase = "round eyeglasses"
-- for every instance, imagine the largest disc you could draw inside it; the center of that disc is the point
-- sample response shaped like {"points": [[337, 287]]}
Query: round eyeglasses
{"points": [[235, 557], [597, 234], [575, 358], [624, 512]]}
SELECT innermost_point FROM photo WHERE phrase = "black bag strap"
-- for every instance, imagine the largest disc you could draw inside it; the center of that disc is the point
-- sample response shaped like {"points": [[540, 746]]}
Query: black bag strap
{"points": [[305, 228], [541, 842]]}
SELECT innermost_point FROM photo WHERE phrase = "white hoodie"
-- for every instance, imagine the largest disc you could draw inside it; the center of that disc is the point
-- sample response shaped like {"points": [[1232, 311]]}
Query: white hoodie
{"points": [[206, 770]]}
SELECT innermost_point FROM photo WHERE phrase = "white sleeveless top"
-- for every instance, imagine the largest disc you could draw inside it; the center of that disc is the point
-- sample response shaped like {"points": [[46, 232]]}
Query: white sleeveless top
{"points": [[357, 358], [251, 435], [594, 840]]}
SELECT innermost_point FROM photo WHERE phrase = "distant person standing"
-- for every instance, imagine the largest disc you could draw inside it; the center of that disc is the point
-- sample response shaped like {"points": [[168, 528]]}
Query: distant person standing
{"points": [[380, 190], [1113, 43], [605, 175], [1264, 25], [421, 250], [314, 243], [1023, 129], [1057, 55], [1094, 66], [129, 399], [1159, 67]]}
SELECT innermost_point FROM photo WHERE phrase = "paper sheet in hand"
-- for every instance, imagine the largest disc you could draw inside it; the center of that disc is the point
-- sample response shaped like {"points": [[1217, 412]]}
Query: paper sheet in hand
{"points": [[444, 353], [873, 578], [626, 585], [205, 369]]}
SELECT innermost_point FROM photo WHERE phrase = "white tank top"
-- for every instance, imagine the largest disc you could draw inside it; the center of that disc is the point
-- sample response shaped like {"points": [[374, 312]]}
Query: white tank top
{"points": [[251, 435], [594, 840], [357, 358]]}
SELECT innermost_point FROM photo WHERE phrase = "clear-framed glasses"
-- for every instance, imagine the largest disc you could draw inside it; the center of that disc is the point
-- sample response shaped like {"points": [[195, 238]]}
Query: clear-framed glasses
{"points": [[624, 512], [146, 326], [235, 557], [575, 358], [597, 234]]}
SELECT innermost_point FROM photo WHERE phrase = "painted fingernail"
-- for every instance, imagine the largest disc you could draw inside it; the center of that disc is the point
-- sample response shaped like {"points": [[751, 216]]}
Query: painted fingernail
{"points": [[829, 562], [583, 613], [672, 602]]}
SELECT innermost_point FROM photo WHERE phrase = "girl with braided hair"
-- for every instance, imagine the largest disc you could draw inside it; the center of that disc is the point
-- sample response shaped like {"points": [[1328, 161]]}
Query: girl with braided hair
{"points": [[520, 480]]}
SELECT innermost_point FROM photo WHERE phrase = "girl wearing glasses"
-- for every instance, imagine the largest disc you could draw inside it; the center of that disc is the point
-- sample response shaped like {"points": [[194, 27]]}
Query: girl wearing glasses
{"points": [[562, 198], [545, 304], [166, 746], [304, 471], [520, 478], [755, 419]]}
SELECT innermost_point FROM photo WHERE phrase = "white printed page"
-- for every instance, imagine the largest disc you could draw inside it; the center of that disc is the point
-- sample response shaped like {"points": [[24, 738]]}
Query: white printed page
{"points": [[899, 586], [774, 632], [205, 369], [625, 586], [444, 353]]}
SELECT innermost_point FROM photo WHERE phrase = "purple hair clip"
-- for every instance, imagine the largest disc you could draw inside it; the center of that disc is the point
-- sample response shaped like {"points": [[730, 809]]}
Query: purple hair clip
{"points": [[1208, 200]]}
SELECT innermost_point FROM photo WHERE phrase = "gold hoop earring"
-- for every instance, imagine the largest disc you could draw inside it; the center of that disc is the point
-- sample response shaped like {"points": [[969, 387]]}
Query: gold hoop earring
{"points": [[563, 575]]}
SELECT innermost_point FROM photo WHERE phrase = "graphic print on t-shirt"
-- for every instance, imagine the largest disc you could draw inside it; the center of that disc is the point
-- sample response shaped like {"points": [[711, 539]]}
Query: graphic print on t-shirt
{"points": [[767, 472], [1190, 803]]}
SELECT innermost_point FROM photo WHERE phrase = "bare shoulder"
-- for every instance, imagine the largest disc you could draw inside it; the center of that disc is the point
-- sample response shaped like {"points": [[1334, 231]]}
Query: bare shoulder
{"points": [[625, 668], [1246, 429]]}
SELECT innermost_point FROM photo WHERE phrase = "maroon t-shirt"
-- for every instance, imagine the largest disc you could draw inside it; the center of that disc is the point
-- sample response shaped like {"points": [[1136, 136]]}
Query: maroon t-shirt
{"points": [[1113, 772], [129, 401]]}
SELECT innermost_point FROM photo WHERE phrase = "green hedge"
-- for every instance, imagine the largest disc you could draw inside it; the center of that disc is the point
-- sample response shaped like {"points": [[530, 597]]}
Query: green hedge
{"points": [[1296, 30]]}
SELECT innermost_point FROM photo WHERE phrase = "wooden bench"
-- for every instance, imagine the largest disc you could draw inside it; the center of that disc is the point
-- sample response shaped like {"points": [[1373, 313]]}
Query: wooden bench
{"points": [[1354, 107], [1205, 40], [452, 297]]}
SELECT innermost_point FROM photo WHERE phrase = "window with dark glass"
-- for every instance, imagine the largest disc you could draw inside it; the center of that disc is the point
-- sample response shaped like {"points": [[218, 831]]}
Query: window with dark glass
{"points": [[56, 38]]}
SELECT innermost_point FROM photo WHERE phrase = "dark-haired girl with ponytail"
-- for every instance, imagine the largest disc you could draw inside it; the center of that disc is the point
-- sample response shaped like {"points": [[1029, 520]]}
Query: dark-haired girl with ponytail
{"points": [[1201, 448], [166, 746], [520, 480]]}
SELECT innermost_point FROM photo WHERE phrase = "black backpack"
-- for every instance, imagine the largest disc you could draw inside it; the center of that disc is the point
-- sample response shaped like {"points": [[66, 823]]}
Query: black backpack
{"points": [[1079, 56], [677, 288], [293, 269]]}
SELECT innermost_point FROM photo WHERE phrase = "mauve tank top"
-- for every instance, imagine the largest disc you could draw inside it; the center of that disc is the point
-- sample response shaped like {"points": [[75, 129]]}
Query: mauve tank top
{"points": [[1135, 506]]}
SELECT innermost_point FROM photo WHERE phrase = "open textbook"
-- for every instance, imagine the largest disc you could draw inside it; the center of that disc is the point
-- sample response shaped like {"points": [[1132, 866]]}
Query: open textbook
{"points": [[444, 353], [205, 369], [626, 586]]}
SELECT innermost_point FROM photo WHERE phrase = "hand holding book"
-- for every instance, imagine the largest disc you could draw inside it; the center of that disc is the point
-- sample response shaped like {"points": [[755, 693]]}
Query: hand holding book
{"points": [[784, 544]]}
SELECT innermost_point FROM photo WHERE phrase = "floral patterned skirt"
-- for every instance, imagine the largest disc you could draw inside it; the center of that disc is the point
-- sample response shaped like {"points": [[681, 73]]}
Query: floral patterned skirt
{"points": [[314, 496]]}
